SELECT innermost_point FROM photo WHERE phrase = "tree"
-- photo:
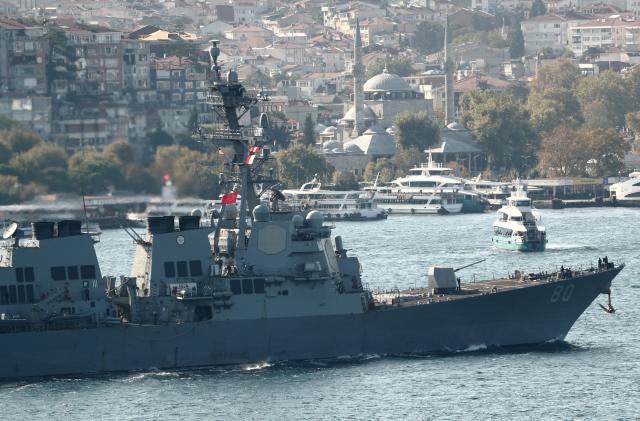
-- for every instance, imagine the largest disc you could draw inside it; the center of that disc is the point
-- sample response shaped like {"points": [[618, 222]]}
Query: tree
{"points": [[9, 191], [538, 8], [552, 107], [396, 65], [193, 122], [502, 126], [5, 154], [308, 133], [193, 173], [299, 164], [557, 74], [94, 172], [121, 151], [345, 180], [416, 130], [562, 153], [46, 165], [516, 42], [429, 37], [606, 148], [159, 138], [608, 96], [19, 140], [382, 169]]}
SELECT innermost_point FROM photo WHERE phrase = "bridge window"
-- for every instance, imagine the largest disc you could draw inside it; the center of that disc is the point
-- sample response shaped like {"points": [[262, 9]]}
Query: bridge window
{"points": [[4, 295], [195, 268], [258, 286], [169, 270], [182, 269], [58, 273], [247, 286], [30, 295], [235, 286], [72, 272], [88, 271], [29, 275], [21, 295], [13, 295], [19, 275]]}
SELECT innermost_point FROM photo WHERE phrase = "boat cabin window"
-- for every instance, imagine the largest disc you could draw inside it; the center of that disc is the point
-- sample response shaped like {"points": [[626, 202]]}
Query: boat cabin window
{"points": [[516, 218], [59, 273], [247, 286], [522, 203], [169, 270], [88, 271], [236, 289], [72, 273], [182, 269], [195, 268]]}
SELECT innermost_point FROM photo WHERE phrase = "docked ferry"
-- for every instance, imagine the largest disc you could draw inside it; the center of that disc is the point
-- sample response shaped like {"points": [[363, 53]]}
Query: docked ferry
{"points": [[516, 227], [628, 189], [349, 205]]}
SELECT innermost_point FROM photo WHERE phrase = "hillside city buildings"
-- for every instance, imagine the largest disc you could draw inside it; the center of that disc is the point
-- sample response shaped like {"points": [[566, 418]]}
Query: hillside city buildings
{"points": [[85, 73]]}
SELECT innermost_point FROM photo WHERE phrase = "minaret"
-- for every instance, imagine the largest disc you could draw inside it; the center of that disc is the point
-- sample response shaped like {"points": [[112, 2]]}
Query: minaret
{"points": [[449, 112], [358, 80]]}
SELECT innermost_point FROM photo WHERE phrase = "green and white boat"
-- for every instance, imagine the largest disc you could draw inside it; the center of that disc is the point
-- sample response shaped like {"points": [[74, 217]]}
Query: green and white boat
{"points": [[516, 227]]}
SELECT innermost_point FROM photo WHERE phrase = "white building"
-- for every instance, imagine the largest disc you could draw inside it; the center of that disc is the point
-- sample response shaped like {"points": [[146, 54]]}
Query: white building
{"points": [[603, 34], [547, 31]]}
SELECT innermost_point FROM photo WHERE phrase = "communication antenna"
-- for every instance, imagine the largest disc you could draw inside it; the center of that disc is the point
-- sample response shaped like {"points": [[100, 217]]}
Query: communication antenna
{"points": [[10, 231]]}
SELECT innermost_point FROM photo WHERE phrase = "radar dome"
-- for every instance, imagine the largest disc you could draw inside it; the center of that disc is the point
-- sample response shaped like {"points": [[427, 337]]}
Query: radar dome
{"points": [[315, 219], [196, 212], [261, 213]]}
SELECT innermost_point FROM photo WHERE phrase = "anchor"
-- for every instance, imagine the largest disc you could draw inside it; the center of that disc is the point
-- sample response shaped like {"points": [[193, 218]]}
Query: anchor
{"points": [[609, 308]]}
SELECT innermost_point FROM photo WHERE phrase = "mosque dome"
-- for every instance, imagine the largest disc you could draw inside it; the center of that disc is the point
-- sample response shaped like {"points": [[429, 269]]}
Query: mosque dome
{"points": [[367, 113], [331, 145], [331, 130], [374, 143], [386, 82], [352, 148]]}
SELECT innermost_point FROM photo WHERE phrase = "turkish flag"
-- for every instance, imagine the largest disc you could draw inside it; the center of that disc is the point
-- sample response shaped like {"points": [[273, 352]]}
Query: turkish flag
{"points": [[229, 198]]}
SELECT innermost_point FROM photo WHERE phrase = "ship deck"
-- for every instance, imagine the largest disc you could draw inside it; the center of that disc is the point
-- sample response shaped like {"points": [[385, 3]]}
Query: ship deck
{"points": [[424, 295]]}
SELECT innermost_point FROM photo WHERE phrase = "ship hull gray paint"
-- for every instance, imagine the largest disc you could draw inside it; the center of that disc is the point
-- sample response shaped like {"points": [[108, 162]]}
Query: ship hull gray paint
{"points": [[519, 316]]}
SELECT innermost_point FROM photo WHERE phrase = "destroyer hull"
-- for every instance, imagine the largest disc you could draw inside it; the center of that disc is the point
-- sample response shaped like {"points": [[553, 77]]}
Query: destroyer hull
{"points": [[528, 315]]}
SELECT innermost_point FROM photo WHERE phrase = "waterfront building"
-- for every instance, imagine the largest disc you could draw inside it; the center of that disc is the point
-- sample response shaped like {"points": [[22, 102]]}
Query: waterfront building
{"points": [[23, 58]]}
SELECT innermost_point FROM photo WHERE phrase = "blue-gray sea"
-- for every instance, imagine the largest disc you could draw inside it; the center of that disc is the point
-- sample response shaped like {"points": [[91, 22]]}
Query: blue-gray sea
{"points": [[595, 374]]}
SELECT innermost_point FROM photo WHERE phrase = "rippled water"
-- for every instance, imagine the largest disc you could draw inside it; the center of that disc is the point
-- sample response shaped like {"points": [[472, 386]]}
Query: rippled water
{"points": [[595, 374]]}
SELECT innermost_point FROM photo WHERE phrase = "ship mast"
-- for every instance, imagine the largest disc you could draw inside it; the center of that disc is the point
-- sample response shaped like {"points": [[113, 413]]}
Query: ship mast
{"points": [[230, 102]]}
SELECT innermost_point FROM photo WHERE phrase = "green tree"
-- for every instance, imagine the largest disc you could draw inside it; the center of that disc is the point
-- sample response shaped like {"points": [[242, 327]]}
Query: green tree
{"points": [[5, 154], [9, 189], [46, 165], [141, 180], [553, 106], [503, 128], [516, 41], [94, 172], [397, 65], [299, 164], [538, 8], [557, 74], [6, 123], [345, 180], [19, 140], [606, 148], [383, 169], [193, 173], [159, 138], [416, 130], [429, 37], [121, 151], [308, 134], [562, 153], [605, 96]]}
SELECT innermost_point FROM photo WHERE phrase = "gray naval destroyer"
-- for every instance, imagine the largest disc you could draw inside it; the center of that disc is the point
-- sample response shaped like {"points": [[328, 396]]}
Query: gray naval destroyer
{"points": [[257, 285]]}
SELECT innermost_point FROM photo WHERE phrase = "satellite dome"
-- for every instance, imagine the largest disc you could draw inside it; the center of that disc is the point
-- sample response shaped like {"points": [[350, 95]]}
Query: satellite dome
{"points": [[386, 82], [315, 219], [297, 220], [261, 213]]}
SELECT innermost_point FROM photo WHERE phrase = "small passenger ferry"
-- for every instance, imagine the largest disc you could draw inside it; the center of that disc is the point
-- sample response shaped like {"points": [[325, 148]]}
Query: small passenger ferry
{"points": [[516, 227], [348, 205]]}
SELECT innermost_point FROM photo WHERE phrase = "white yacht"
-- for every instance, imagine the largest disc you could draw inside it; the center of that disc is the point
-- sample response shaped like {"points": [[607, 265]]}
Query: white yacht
{"points": [[628, 189], [429, 188], [494, 192], [516, 227], [334, 204]]}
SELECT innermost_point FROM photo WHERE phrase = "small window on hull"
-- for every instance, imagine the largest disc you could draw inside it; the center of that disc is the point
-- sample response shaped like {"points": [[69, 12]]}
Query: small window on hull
{"points": [[195, 267], [236, 289], [59, 273], [88, 271], [182, 269], [247, 286], [169, 270], [72, 273]]}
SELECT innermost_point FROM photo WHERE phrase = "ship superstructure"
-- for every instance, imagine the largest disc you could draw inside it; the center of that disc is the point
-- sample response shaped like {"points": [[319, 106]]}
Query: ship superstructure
{"points": [[516, 227]]}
